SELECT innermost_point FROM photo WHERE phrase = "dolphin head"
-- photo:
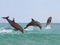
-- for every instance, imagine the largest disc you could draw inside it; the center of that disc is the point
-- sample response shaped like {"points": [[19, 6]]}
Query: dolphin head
{"points": [[5, 17], [50, 17]]}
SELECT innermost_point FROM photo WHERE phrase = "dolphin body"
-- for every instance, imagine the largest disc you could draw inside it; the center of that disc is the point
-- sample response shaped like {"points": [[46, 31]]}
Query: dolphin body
{"points": [[48, 21], [14, 24], [34, 23]]}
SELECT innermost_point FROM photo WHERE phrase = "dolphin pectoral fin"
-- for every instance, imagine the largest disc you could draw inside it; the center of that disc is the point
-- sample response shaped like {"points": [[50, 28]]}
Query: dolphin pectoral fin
{"points": [[15, 29]]}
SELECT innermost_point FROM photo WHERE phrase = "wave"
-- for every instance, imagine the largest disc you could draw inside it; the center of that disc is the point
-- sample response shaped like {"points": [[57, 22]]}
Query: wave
{"points": [[28, 30], [11, 31], [3, 30]]}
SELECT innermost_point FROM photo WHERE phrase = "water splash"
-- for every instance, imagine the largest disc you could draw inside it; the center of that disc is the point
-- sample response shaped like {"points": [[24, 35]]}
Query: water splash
{"points": [[48, 27], [30, 28], [3, 30]]}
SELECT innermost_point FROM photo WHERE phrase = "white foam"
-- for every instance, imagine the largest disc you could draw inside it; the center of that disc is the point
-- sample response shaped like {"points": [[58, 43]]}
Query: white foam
{"points": [[30, 28], [48, 27], [3, 30]]}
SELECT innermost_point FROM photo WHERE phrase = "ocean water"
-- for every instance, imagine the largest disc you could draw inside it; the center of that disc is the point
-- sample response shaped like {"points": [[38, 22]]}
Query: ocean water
{"points": [[32, 35]]}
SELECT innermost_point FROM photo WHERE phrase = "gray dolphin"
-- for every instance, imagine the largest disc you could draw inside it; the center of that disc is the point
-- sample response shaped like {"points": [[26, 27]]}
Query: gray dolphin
{"points": [[34, 23], [13, 24], [49, 21]]}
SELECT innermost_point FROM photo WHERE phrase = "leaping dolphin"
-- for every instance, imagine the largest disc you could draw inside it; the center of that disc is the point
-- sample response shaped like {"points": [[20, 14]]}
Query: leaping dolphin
{"points": [[34, 23], [48, 21], [13, 24]]}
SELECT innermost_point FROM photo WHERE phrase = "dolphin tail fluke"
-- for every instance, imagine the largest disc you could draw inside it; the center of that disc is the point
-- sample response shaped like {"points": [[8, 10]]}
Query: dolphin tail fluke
{"points": [[5, 17]]}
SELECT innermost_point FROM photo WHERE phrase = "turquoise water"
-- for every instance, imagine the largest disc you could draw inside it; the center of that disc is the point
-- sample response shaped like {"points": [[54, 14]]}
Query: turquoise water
{"points": [[31, 36]]}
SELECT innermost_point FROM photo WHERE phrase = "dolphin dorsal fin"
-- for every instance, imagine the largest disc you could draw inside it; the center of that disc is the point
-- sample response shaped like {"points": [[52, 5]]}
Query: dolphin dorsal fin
{"points": [[13, 20], [33, 19]]}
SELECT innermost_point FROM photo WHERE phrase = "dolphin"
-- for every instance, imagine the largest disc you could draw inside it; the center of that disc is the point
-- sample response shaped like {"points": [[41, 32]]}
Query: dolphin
{"points": [[34, 23], [48, 21], [14, 24]]}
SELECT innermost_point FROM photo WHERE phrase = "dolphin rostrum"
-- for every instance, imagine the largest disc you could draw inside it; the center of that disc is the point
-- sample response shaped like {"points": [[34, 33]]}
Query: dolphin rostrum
{"points": [[13, 24], [34, 23]]}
